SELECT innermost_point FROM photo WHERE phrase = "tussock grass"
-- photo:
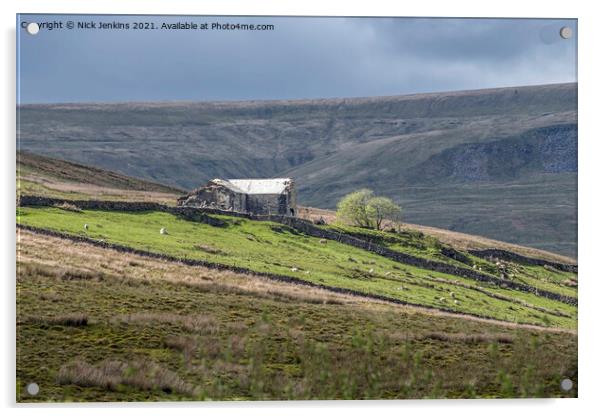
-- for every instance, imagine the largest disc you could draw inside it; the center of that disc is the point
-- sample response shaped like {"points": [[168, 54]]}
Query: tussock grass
{"points": [[185, 344], [180, 343], [201, 324], [298, 297], [469, 338], [70, 319], [110, 374], [59, 272]]}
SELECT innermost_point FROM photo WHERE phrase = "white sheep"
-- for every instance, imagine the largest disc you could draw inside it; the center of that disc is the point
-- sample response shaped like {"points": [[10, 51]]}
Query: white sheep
{"points": [[294, 269], [452, 295], [163, 231], [323, 241], [371, 271], [86, 227]]}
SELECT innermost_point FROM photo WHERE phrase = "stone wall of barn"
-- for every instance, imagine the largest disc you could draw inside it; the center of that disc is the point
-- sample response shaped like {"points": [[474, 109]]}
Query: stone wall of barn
{"points": [[215, 196], [221, 197], [268, 204]]}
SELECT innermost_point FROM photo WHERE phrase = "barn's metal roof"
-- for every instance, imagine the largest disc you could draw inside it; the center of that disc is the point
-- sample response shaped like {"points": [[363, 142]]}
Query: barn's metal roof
{"points": [[256, 186]]}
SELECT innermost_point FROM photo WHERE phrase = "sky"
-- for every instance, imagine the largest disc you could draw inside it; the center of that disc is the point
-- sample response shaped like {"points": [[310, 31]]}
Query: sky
{"points": [[300, 58]]}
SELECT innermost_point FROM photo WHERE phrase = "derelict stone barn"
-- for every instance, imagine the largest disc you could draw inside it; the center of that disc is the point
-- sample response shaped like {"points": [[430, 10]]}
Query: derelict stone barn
{"points": [[253, 196]]}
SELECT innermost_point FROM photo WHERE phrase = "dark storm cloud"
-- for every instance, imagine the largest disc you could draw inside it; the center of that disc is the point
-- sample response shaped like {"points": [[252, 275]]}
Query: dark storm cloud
{"points": [[301, 58]]}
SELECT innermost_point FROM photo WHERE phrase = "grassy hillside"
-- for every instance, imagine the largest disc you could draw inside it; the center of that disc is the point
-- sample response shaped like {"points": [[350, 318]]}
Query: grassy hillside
{"points": [[98, 325], [274, 248], [455, 239], [411, 148]]}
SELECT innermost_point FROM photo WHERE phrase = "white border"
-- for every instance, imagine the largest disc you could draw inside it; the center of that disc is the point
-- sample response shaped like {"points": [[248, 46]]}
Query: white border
{"points": [[589, 195]]}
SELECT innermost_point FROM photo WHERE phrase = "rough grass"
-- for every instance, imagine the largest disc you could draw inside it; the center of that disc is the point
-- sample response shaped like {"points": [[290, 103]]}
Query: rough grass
{"points": [[193, 323], [470, 338], [302, 257], [71, 319], [109, 375], [266, 348]]}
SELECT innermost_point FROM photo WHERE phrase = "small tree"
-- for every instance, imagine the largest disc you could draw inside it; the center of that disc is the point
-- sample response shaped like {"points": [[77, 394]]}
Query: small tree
{"points": [[353, 208], [363, 209], [380, 208]]}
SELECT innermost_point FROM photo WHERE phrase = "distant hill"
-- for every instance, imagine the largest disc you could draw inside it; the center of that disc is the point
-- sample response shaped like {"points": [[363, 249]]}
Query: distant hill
{"points": [[499, 163]]}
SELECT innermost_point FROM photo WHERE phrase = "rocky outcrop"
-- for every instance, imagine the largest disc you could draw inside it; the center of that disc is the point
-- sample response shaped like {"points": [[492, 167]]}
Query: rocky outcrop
{"points": [[550, 149]]}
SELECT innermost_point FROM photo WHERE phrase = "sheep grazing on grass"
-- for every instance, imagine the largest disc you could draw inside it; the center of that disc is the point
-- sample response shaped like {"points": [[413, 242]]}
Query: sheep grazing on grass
{"points": [[323, 241], [163, 231], [452, 295], [294, 269], [86, 227], [371, 271]]}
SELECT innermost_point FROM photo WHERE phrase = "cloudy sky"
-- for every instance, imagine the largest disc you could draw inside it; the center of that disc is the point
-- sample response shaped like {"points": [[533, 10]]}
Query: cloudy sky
{"points": [[300, 58]]}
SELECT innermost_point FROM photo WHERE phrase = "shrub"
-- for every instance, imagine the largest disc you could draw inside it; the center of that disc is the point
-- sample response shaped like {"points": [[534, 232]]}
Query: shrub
{"points": [[363, 209]]}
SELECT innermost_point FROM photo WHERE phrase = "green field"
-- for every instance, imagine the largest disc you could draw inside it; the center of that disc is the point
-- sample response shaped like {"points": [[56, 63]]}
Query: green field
{"points": [[417, 244], [277, 249]]}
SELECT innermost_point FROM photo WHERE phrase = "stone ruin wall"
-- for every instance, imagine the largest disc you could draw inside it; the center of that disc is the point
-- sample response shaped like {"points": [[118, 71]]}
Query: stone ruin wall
{"points": [[220, 197], [215, 196]]}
